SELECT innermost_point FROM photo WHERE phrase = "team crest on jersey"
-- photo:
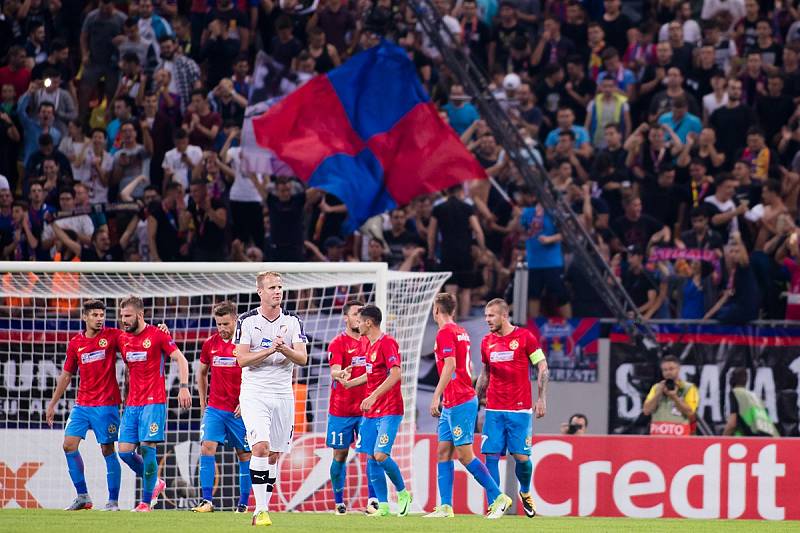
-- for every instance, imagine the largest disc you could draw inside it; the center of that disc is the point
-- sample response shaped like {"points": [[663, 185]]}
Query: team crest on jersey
{"points": [[112, 429], [235, 351], [513, 344], [153, 428], [147, 343], [103, 343], [383, 440], [457, 432], [374, 356]]}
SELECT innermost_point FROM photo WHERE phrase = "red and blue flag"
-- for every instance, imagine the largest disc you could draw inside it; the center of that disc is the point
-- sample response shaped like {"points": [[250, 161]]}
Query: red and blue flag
{"points": [[367, 133]]}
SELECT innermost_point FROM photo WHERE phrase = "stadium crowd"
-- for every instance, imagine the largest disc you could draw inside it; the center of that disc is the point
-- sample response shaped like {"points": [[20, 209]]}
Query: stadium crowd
{"points": [[671, 126]]}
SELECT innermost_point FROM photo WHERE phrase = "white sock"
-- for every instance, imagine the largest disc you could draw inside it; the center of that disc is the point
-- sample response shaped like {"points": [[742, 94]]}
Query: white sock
{"points": [[258, 470], [273, 478]]}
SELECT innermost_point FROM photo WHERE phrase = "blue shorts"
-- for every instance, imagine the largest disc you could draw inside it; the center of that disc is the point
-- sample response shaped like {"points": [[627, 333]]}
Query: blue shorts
{"points": [[222, 427], [507, 430], [376, 435], [103, 420], [457, 423], [143, 423], [342, 430]]}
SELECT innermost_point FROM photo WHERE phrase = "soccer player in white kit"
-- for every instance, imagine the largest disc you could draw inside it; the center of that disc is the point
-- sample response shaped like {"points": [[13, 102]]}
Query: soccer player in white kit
{"points": [[268, 345]]}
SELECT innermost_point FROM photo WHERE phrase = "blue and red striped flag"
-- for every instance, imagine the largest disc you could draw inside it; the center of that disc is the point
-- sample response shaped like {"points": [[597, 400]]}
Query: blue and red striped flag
{"points": [[367, 133]]}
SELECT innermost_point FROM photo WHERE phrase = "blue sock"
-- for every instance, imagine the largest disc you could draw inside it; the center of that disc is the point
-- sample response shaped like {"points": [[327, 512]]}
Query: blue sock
{"points": [[337, 480], [524, 471], [245, 483], [493, 466], [113, 476], [150, 475], [378, 477], [133, 460], [208, 465], [370, 487], [482, 476], [445, 481], [393, 471], [75, 467]]}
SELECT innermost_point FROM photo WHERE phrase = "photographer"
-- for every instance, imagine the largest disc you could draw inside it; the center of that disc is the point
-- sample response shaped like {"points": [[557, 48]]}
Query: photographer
{"points": [[748, 416], [671, 403], [578, 425]]}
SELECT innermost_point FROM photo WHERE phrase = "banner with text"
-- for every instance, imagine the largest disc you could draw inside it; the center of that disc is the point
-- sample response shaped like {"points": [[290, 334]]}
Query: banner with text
{"points": [[633, 476], [570, 345], [708, 353]]}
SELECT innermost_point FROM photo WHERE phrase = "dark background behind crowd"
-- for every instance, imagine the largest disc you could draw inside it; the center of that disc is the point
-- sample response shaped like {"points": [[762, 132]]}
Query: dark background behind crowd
{"points": [[670, 126]]}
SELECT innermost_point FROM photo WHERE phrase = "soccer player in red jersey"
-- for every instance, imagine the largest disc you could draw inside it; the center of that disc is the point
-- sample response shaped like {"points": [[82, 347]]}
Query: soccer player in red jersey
{"points": [[344, 408], [457, 419], [143, 347], [383, 409], [221, 419], [92, 353], [506, 352]]}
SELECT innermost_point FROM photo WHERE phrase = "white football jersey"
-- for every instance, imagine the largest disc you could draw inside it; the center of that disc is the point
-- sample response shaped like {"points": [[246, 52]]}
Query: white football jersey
{"points": [[273, 376]]}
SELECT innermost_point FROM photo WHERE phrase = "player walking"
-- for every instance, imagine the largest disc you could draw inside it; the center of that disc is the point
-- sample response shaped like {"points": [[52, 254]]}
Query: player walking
{"points": [[344, 408], [143, 347], [383, 409], [93, 353], [268, 345], [221, 420], [457, 419], [506, 353]]}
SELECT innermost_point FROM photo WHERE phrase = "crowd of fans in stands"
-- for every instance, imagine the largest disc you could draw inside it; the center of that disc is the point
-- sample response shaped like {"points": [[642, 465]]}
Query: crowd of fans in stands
{"points": [[670, 126]]}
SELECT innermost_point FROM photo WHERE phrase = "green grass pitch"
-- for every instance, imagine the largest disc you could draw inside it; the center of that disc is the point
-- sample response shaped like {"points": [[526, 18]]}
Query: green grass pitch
{"points": [[23, 521]]}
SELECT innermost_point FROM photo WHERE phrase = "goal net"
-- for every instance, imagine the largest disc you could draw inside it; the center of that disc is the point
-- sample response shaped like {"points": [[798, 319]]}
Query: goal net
{"points": [[40, 311]]}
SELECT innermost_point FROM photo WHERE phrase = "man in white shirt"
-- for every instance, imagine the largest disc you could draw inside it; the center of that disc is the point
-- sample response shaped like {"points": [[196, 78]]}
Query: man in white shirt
{"points": [[247, 195], [80, 224], [180, 161], [268, 345]]}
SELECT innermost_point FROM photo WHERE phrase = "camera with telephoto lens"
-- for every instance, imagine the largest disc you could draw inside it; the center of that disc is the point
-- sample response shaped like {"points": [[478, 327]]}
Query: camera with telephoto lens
{"points": [[669, 384], [573, 429]]}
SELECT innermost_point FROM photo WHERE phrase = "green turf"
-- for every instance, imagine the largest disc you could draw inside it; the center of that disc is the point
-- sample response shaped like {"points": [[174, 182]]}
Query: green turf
{"points": [[23, 521]]}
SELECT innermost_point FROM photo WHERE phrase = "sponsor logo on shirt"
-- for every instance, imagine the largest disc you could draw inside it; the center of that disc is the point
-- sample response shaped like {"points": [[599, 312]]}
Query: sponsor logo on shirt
{"points": [[501, 357], [135, 357], [463, 337], [220, 360], [352, 350], [91, 357], [392, 359], [447, 350], [266, 343], [513, 344], [359, 360]]}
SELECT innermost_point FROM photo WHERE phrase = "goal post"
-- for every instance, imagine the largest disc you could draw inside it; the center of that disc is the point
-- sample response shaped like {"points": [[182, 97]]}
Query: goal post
{"points": [[40, 311]]}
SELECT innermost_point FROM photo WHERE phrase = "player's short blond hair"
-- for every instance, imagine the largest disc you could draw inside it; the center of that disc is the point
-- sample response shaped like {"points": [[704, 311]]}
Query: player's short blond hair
{"points": [[132, 301], [267, 274], [224, 308], [500, 303], [446, 303]]}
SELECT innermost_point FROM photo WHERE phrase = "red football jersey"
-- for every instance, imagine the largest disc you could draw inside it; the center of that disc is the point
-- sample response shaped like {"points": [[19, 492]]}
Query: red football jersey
{"points": [[144, 354], [344, 350], [508, 361], [226, 374], [380, 357], [453, 341], [95, 359]]}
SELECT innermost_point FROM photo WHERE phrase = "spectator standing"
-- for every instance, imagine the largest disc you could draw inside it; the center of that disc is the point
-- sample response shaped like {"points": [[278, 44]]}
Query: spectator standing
{"points": [[184, 72], [544, 257], [99, 29], [16, 73], [454, 225], [286, 224], [202, 124], [247, 195], [179, 163], [131, 160], [33, 128], [209, 217]]}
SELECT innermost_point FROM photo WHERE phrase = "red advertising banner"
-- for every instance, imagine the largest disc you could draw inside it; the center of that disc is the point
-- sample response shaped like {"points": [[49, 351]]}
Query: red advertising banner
{"points": [[646, 477]]}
